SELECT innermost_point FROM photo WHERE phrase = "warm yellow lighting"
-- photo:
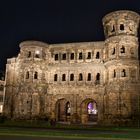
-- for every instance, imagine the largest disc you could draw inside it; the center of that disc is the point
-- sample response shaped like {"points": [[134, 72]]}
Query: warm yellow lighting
{"points": [[37, 52], [1, 108]]}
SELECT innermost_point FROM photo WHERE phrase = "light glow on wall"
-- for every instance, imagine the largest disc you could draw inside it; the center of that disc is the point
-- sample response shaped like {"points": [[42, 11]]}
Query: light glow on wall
{"points": [[1, 108], [91, 108]]}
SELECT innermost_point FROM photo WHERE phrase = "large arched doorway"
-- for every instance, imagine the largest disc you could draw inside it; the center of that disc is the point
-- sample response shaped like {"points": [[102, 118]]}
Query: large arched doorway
{"points": [[63, 110], [89, 111]]}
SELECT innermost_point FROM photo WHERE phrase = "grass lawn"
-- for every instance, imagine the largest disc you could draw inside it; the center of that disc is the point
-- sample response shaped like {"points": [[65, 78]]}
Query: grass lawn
{"points": [[43, 129]]}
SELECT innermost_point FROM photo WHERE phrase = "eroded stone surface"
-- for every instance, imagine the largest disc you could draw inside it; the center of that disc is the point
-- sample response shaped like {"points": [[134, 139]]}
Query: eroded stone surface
{"points": [[62, 81]]}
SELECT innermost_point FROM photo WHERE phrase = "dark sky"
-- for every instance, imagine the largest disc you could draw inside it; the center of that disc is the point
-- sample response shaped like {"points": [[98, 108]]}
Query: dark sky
{"points": [[54, 21]]}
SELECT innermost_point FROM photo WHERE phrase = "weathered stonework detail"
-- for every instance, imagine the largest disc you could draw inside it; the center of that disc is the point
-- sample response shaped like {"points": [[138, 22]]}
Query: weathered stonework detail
{"points": [[88, 82]]}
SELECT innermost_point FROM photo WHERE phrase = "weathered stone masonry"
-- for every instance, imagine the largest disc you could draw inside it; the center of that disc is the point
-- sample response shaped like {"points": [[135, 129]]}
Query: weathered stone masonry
{"points": [[88, 82]]}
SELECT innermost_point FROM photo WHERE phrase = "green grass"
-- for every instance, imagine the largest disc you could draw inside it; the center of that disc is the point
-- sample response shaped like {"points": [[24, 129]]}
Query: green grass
{"points": [[63, 133], [43, 128]]}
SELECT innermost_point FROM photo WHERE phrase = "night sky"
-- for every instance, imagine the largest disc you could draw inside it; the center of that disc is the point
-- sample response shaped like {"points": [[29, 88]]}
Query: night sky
{"points": [[54, 21]]}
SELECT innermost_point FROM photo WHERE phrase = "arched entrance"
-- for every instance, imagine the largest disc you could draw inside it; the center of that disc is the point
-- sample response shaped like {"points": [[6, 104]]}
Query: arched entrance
{"points": [[89, 111], [63, 110]]}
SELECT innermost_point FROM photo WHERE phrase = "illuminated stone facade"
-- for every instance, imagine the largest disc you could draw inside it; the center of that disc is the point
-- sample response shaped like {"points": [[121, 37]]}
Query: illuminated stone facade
{"points": [[87, 82], [1, 96]]}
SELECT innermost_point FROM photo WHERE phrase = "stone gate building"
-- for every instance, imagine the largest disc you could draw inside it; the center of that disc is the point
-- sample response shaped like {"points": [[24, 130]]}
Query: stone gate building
{"points": [[85, 82]]}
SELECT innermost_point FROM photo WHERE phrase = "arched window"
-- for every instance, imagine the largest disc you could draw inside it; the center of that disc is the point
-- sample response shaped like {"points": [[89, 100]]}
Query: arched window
{"points": [[97, 55], [27, 75], [64, 56], [113, 29], [89, 77], [114, 74], [122, 49], [36, 75], [80, 55], [63, 77], [68, 109], [72, 56], [123, 73], [97, 78], [80, 77], [29, 54], [55, 77], [72, 77], [113, 51], [56, 57], [121, 27], [37, 54], [89, 55]]}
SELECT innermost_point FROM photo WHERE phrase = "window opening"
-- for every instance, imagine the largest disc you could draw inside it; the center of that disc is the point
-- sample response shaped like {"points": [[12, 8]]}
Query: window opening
{"points": [[89, 55], [35, 75], [64, 56], [97, 78], [113, 52], [123, 73], [114, 74], [55, 77], [37, 54], [97, 55], [80, 55], [63, 77], [56, 57], [27, 75], [113, 29], [121, 27], [80, 77], [72, 56], [122, 49], [89, 77], [71, 77], [29, 54]]}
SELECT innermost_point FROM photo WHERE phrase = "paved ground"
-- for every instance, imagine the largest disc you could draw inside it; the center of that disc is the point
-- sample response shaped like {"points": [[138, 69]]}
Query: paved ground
{"points": [[41, 138]]}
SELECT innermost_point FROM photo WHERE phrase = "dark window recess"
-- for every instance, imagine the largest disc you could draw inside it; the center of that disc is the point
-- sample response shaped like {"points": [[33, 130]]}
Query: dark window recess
{"points": [[36, 75], [56, 57], [63, 77], [113, 29], [97, 78], [80, 55], [55, 77], [97, 55], [29, 54], [37, 55], [121, 27], [72, 56], [71, 77], [123, 73], [89, 77], [27, 75], [89, 55], [64, 56], [80, 77], [113, 51], [114, 74], [122, 49]]}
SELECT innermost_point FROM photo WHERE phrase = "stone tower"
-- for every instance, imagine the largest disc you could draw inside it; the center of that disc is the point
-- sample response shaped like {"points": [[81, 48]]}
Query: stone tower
{"points": [[122, 64]]}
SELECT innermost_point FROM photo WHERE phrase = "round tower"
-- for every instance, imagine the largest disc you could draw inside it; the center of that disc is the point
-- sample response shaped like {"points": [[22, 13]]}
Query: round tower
{"points": [[122, 64]]}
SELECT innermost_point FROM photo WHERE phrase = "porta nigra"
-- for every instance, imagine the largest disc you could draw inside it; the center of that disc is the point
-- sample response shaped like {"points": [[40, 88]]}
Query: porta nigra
{"points": [[86, 82]]}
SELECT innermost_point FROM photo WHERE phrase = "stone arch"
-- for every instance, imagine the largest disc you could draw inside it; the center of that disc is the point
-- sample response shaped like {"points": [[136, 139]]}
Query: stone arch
{"points": [[89, 111], [63, 110]]}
